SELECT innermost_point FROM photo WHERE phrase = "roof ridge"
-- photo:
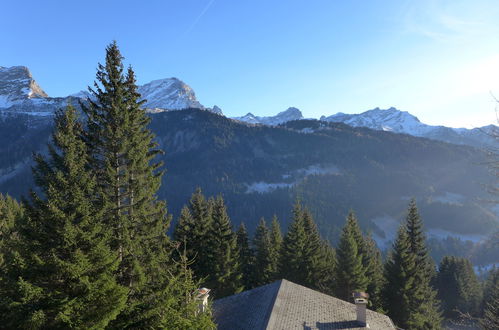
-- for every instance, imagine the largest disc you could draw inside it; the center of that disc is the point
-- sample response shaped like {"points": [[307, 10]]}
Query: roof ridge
{"points": [[275, 303]]}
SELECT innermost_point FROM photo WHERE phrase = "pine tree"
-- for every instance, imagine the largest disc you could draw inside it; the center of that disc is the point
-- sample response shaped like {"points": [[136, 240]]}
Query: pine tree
{"points": [[10, 213], [183, 308], [350, 271], [427, 313], [293, 252], [320, 257], [122, 154], [264, 268], [192, 229], [490, 319], [374, 274], [247, 257], [224, 276], [400, 281], [458, 287], [275, 237], [61, 272], [409, 298]]}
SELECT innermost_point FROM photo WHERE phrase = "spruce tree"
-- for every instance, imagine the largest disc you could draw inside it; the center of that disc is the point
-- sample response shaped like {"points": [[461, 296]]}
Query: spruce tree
{"points": [[490, 318], [247, 257], [264, 267], [458, 287], [350, 271], [400, 281], [319, 258], [224, 273], [192, 229], [293, 252], [61, 272], [275, 237], [427, 313], [11, 213], [410, 300], [122, 153], [374, 274]]}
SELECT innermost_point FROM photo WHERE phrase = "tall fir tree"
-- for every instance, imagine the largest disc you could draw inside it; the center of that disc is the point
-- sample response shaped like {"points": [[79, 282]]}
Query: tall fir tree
{"points": [[399, 270], [350, 270], [264, 267], [10, 213], [409, 272], [374, 274], [122, 153], [293, 250], [224, 272], [192, 229], [319, 258], [275, 236], [61, 272], [247, 257], [490, 318], [458, 287]]}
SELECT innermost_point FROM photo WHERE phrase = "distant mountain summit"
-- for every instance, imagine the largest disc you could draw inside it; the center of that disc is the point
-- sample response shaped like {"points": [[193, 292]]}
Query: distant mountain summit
{"points": [[169, 94], [19, 93], [282, 117], [17, 85], [397, 121]]}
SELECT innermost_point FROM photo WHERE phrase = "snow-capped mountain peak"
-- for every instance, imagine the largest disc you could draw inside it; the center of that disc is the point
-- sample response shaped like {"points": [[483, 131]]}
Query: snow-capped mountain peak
{"points": [[391, 119], [169, 94], [282, 117], [17, 85]]}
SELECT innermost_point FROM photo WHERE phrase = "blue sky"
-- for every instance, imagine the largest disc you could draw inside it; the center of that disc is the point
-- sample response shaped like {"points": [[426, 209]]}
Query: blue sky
{"points": [[436, 59]]}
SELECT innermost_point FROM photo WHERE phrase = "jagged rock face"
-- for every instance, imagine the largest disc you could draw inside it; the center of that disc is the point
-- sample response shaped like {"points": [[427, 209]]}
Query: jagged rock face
{"points": [[397, 121], [169, 94], [282, 117], [17, 85]]}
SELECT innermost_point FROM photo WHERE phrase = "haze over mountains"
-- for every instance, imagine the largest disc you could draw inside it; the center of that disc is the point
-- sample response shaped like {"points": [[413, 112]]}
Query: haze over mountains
{"points": [[261, 164]]}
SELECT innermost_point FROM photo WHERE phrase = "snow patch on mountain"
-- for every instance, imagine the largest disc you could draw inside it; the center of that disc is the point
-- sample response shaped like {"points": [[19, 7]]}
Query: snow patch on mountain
{"points": [[169, 94], [394, 120], [17, 85], [282, 117]]}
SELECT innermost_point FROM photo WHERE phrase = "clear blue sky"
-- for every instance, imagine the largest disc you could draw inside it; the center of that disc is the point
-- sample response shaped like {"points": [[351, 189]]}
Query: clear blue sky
{"points": [[436, 59]]}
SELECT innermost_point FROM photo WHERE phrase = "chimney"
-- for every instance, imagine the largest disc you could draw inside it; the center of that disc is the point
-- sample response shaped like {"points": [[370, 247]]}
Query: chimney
{"points": [[360, 299], [202, 295]]}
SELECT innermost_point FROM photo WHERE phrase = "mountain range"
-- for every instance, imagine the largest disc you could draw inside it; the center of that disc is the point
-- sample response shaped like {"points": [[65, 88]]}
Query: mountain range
{"points": [[335, 164]]}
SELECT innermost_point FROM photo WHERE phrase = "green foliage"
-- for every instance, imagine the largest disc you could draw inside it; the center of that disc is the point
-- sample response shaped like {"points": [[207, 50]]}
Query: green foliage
{"points": [[192, 230], [490, 318], [224, 273], [458, 287], [247, 258], [294, 250], [305, 258], [205, 231], [122, 154], [374, 273], [351, 273], [267, 251], [60, 271], [409, 299]]}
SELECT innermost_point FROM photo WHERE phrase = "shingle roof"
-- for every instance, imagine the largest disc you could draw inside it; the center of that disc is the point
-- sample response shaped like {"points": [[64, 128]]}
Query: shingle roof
{"points": [[286, 305]]}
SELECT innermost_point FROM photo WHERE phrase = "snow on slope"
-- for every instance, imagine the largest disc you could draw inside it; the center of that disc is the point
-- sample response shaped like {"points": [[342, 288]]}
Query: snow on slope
{"points": [[282, 117], [17, 85], [19, 93]]}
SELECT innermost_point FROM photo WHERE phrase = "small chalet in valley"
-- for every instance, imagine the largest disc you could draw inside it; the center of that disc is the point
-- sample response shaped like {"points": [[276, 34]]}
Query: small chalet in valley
{"points": [[286, 305]]}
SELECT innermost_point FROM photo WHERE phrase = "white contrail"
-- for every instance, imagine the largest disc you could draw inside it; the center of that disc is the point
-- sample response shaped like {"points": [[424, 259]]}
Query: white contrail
{"points": [[199, 17]]}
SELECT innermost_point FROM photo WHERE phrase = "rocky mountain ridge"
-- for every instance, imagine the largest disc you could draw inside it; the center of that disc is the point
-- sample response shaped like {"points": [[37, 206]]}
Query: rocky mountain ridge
{"points": [[19, 93]]}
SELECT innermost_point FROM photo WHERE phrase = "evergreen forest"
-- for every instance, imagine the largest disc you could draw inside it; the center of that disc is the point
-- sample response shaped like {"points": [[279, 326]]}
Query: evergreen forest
{"points": [[93, 246]]}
